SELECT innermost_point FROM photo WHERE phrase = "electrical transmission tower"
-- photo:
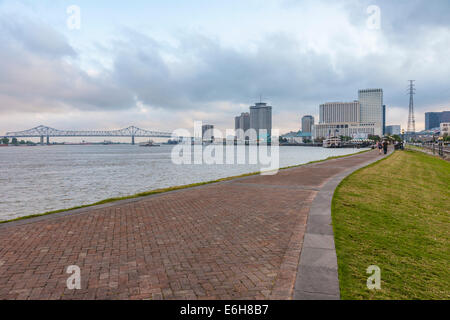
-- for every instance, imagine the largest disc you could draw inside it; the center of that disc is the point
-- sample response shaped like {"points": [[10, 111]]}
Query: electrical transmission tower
{"points": [[411, 118]]}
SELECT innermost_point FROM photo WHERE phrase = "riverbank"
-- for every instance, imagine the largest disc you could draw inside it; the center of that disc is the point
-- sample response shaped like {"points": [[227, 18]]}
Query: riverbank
{"points": [[164, 190], [395, 214]]}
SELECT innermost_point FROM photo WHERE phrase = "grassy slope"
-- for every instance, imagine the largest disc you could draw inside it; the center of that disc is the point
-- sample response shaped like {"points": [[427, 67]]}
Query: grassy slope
{"points": [[395, 214]]}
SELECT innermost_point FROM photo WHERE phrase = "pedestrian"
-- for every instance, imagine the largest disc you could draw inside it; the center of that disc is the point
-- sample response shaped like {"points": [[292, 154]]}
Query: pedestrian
{"points": [[385, 146], [380, 147]]}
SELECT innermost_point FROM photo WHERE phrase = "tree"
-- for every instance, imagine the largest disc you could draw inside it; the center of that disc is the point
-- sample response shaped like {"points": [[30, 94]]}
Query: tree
{"points": [[5, 141], [446, 137], [14, 141], [319, 139], [397, 138], [374, 138]]}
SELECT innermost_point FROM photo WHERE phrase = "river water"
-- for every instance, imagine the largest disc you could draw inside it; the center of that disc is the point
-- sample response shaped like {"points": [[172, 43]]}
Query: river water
{"points": [[45, 178]]}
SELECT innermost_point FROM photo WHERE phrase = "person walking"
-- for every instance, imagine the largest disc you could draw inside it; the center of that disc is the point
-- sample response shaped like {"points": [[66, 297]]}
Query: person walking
{"points": [[379, 146], [385, 146]]}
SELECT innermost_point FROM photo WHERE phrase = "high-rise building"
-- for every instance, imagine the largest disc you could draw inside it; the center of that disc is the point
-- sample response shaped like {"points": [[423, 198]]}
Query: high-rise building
{"points": [[434, 119], [371, 101], [241, 125], [307, 124], [341, 119], [357, 119], [334, 112], [261, 119], [244, 121], [208, 132], [237, 122], [393, 130], [350, 129], [444, 128]]}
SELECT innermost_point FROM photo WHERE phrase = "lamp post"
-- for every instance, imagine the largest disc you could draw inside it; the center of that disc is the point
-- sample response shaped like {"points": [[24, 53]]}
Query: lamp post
{"points": [[434, 141], [403, 138]]}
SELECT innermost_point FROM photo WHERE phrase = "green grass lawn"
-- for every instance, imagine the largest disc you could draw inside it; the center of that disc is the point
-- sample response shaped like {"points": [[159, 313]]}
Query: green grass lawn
{"points": [[395, 214]]}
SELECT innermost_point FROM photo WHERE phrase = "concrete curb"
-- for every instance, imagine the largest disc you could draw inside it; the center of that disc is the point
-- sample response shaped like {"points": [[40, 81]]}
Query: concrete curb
{"points": [[317, 274]]}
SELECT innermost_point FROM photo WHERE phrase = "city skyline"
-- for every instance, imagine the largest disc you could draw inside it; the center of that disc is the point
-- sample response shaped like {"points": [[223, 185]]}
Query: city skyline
{"points": [[126, 65]]}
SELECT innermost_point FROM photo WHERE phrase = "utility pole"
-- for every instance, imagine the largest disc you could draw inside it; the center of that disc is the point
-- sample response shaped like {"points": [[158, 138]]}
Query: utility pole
{"points": [[411, 118]]}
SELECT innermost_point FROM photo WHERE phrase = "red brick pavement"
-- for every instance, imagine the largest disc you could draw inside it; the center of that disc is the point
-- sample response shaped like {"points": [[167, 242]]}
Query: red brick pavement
{"points": [[239, 239]]}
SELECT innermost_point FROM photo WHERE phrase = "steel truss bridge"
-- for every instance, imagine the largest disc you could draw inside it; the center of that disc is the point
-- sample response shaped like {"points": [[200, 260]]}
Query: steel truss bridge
{"points": [[43, 132]]}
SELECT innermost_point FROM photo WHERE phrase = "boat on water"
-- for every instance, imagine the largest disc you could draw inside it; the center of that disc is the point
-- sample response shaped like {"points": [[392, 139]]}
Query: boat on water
{"points": [[150, 143], [332, 142]]}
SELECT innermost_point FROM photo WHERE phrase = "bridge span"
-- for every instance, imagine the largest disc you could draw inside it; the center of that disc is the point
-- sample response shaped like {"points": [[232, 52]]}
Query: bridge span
{"points": [[43, 132]]}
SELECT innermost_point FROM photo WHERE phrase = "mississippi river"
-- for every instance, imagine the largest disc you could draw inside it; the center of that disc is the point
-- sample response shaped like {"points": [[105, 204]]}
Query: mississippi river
{"points": [[46, 178]]}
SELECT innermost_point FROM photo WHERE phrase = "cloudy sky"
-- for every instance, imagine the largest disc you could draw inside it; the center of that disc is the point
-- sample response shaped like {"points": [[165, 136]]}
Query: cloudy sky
{"points": [[163, 64]]}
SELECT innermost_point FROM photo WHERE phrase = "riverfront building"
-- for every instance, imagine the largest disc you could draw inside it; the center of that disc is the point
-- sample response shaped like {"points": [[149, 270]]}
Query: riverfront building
{"points": [[297, 137], [434, 119], [307, 124], [208, 133], [393, 130], [244, 121], [237, 121], [357, 119], [445, 128], [241, 125], [337, 112], [372, 110], [261, 119], [354, 130]]}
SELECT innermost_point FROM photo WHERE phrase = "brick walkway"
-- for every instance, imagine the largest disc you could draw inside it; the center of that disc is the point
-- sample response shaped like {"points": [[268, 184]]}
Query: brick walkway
{"points": [[239, 239]]}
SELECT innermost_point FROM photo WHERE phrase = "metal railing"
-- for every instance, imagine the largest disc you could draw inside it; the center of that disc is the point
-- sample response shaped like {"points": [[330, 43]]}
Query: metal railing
{"points": [[440, 148]]}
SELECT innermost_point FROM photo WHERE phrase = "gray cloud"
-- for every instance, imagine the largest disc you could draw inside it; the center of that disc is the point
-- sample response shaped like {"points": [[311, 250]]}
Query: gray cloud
{"points": [[281, 70], [277, 69], [40, 70], [31, 36], [38, 73]]}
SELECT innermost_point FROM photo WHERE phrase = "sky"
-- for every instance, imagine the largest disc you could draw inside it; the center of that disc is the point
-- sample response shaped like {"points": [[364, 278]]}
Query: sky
{"points": [[161, 65]]}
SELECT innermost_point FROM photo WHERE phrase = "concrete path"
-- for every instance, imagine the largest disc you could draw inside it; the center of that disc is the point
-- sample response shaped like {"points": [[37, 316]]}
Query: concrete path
{"points": [[317, 276], [240, 239]]}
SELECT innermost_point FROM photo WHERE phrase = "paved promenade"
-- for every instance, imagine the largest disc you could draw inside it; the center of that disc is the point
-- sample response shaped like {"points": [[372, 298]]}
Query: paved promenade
{"points": [[240, 239]]}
